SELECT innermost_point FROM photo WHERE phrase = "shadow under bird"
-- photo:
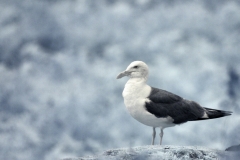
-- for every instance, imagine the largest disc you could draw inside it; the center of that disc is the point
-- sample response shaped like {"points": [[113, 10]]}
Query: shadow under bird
{"points": [[159, 108]]}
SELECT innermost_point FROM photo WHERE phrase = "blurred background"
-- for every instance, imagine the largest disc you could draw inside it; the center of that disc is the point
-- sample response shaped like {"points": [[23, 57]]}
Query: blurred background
{"points": [[59, 59]]}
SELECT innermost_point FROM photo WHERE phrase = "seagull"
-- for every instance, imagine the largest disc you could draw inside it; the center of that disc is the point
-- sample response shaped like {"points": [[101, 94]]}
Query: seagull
{"points": [[159, 108]]}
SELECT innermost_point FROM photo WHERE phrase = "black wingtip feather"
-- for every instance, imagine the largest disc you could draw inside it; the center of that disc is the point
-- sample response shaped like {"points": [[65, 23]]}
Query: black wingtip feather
{"points": [[227, 113], [214, 113]]}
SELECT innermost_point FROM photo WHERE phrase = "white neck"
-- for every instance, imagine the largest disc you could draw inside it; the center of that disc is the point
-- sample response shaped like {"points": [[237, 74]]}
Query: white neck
{"points": [[137, 80], [135, 87]]}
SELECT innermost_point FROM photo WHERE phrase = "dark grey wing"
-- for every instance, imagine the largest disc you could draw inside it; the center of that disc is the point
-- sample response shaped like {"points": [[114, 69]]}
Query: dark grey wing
{"points": [[162, 96], [163, 103]]}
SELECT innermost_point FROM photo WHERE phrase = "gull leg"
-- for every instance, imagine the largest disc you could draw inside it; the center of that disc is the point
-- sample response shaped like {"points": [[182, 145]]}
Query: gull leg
{"points": [[161, 136], [153, 135]]}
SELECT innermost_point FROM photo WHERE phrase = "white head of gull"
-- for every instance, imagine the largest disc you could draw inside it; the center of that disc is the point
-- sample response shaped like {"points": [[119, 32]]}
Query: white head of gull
{"points": [[159, 108]]}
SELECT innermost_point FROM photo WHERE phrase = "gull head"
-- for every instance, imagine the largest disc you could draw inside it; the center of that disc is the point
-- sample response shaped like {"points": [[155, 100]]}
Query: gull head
{"points": [[136, 69]]}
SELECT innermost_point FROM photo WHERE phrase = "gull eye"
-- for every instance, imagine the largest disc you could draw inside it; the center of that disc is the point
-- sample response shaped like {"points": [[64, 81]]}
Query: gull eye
{"points": [[135, 67]]}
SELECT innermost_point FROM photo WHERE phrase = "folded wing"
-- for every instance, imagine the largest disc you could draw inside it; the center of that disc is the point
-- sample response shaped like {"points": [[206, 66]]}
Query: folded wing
{"points": [[163, 104]]}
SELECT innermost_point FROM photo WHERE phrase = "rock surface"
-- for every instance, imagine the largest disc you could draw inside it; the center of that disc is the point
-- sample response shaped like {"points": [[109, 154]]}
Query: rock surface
{"points": [[234, 148], [163, 153]]}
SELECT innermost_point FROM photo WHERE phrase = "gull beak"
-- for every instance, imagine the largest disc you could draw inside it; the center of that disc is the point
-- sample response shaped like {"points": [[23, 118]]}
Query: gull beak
{"points": [[123, 74]]}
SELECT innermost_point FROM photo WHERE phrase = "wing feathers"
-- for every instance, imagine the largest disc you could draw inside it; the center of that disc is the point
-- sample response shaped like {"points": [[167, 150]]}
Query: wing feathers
{"points": [[181, 111], [163, 104]]}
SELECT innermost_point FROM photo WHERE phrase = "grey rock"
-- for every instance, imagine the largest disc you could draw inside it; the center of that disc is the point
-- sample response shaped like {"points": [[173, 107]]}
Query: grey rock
{"points": [[161, 152], [234, 148]]}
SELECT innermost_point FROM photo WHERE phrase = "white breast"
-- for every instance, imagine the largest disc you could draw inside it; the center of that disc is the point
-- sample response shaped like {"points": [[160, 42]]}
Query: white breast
{"points": [[135, 96]]}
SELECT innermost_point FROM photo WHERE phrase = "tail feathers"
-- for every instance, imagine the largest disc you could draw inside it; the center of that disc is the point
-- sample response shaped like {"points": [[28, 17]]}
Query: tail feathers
{"points": [[214, 113]]}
